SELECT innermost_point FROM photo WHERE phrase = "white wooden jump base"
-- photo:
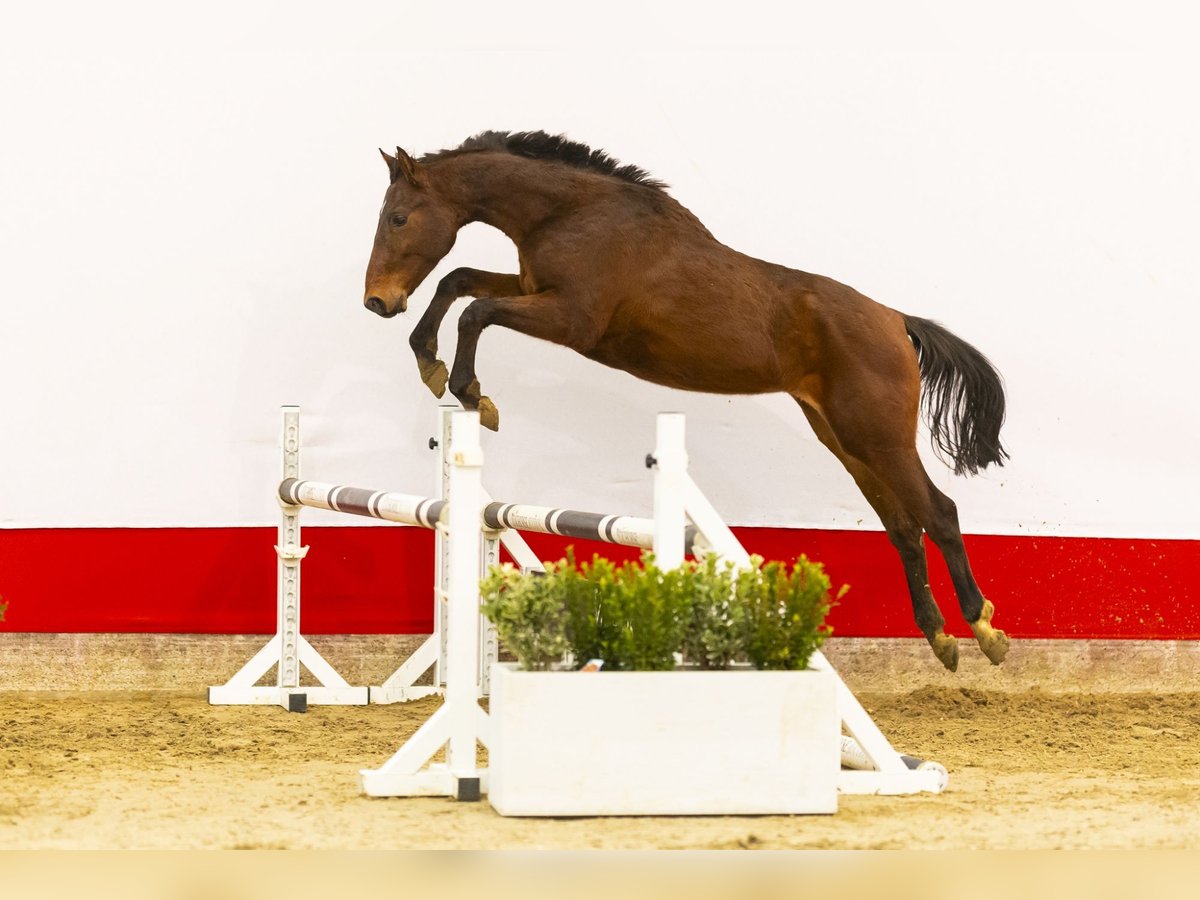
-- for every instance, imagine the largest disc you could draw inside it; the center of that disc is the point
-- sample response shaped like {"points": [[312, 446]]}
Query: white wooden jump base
{"points": [[470, 527]]}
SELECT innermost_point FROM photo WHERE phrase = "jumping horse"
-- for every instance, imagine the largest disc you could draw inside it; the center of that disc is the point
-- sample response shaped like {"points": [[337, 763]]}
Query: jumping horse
{"points": [[616, 269]]}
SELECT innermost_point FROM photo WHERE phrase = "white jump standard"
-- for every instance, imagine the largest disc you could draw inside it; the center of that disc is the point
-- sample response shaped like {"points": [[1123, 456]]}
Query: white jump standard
{"points": [[288, 649]]}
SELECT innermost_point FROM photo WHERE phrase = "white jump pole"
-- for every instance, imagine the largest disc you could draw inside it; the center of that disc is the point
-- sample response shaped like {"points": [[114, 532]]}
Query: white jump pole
{"points": [[670, 471], [402, 685], [288, 650], [462, 614], [460, 722], [290, 554], [441, 549]]}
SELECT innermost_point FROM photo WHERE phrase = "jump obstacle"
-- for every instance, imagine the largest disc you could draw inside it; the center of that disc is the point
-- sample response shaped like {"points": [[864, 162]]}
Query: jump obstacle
{"points": [[469, 529]]}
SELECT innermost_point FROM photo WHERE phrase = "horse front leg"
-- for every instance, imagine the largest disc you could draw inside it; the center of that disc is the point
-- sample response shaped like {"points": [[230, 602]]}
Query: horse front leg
{"points": [[459, 283], [546, 315]]}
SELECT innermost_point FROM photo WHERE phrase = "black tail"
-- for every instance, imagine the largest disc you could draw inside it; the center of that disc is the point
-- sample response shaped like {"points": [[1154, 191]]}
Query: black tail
{"points": [[963, 397]]}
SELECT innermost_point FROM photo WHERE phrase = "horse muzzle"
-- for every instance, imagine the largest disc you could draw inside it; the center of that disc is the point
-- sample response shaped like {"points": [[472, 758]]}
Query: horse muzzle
{"points": [[380, 307]]}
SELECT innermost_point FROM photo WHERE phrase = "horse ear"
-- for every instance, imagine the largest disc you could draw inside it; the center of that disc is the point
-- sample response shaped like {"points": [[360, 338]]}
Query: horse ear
{"points": [[401, 166], [408, 167], [393, 165]]}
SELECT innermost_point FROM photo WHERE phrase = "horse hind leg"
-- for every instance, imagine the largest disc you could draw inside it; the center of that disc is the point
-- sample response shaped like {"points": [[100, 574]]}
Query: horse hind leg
{"points": [[903, 472], [905, 534], [977, 610]]}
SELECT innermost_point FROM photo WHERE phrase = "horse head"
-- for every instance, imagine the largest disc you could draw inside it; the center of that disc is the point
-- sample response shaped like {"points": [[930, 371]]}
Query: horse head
{"points": [[416, 230]]}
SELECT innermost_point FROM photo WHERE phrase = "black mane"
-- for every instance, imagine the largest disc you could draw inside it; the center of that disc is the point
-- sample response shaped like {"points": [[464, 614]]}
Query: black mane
{"points": [[540, 145]]}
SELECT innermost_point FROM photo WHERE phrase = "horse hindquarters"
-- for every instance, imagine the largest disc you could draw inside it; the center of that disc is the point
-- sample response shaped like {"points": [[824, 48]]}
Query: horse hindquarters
{"points": [[869, 391]]}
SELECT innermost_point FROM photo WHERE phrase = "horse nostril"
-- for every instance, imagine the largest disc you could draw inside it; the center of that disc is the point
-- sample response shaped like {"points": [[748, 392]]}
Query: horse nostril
{"points": [[376, 305]]}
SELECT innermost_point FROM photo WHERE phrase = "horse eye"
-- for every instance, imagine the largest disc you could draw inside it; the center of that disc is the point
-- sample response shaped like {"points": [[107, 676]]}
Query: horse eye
{"points": [[399, 220]]}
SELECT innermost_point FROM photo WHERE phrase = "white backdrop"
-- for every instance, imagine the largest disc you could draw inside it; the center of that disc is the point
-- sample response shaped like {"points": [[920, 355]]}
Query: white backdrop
{"points": [[189, 200]]}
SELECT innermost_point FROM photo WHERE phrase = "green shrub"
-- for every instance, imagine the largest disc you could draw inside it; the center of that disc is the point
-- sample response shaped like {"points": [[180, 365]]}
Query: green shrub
{"points": [[716, 628], [650, 612], [630, 616], [785, 612], [641, 618], [528, 612], [593, 626]]}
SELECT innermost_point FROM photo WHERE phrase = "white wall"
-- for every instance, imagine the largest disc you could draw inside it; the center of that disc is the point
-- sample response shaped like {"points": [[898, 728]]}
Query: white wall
{"points": [[187, 203]]}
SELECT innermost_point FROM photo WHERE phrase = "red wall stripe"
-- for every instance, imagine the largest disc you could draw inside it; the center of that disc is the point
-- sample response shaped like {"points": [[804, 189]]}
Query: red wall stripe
{"points": [[379, 581]]}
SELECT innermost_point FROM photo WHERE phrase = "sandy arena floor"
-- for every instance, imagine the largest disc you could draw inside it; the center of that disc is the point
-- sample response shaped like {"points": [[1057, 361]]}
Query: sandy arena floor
{"points": [[1028, 770]]}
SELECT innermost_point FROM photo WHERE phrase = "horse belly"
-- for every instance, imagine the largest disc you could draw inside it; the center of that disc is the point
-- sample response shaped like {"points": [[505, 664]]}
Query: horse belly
{"points": [[692, 360]]}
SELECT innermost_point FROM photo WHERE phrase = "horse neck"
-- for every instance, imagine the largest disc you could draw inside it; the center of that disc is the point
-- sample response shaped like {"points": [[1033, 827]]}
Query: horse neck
{"points": [[510, 193]]}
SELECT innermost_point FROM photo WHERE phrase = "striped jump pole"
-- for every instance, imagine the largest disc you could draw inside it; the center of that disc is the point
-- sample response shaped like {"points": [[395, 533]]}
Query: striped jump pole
{"points": [[629, 531], [406, 509]]}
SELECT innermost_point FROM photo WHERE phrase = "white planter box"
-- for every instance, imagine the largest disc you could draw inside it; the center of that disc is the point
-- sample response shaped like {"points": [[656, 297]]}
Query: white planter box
{"points": [[663, 743]]}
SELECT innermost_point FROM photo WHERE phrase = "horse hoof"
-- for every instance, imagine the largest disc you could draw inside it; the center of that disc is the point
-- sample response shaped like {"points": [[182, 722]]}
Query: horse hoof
{"points": [[945, 648], [435, 376], [996, 647], [489, 416], [992, 641]]}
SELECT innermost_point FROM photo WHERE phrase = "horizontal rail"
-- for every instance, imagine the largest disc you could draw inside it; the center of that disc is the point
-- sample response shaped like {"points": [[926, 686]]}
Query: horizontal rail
{"points": [[611, 529], [408, 509]]}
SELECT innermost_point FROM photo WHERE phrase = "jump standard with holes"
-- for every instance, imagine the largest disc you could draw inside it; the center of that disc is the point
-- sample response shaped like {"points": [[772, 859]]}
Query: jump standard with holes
{"points": [[804, 739]]}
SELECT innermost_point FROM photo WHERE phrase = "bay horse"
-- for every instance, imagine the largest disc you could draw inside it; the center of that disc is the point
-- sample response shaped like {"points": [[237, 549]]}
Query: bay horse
{"points": [[616, 269]]}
